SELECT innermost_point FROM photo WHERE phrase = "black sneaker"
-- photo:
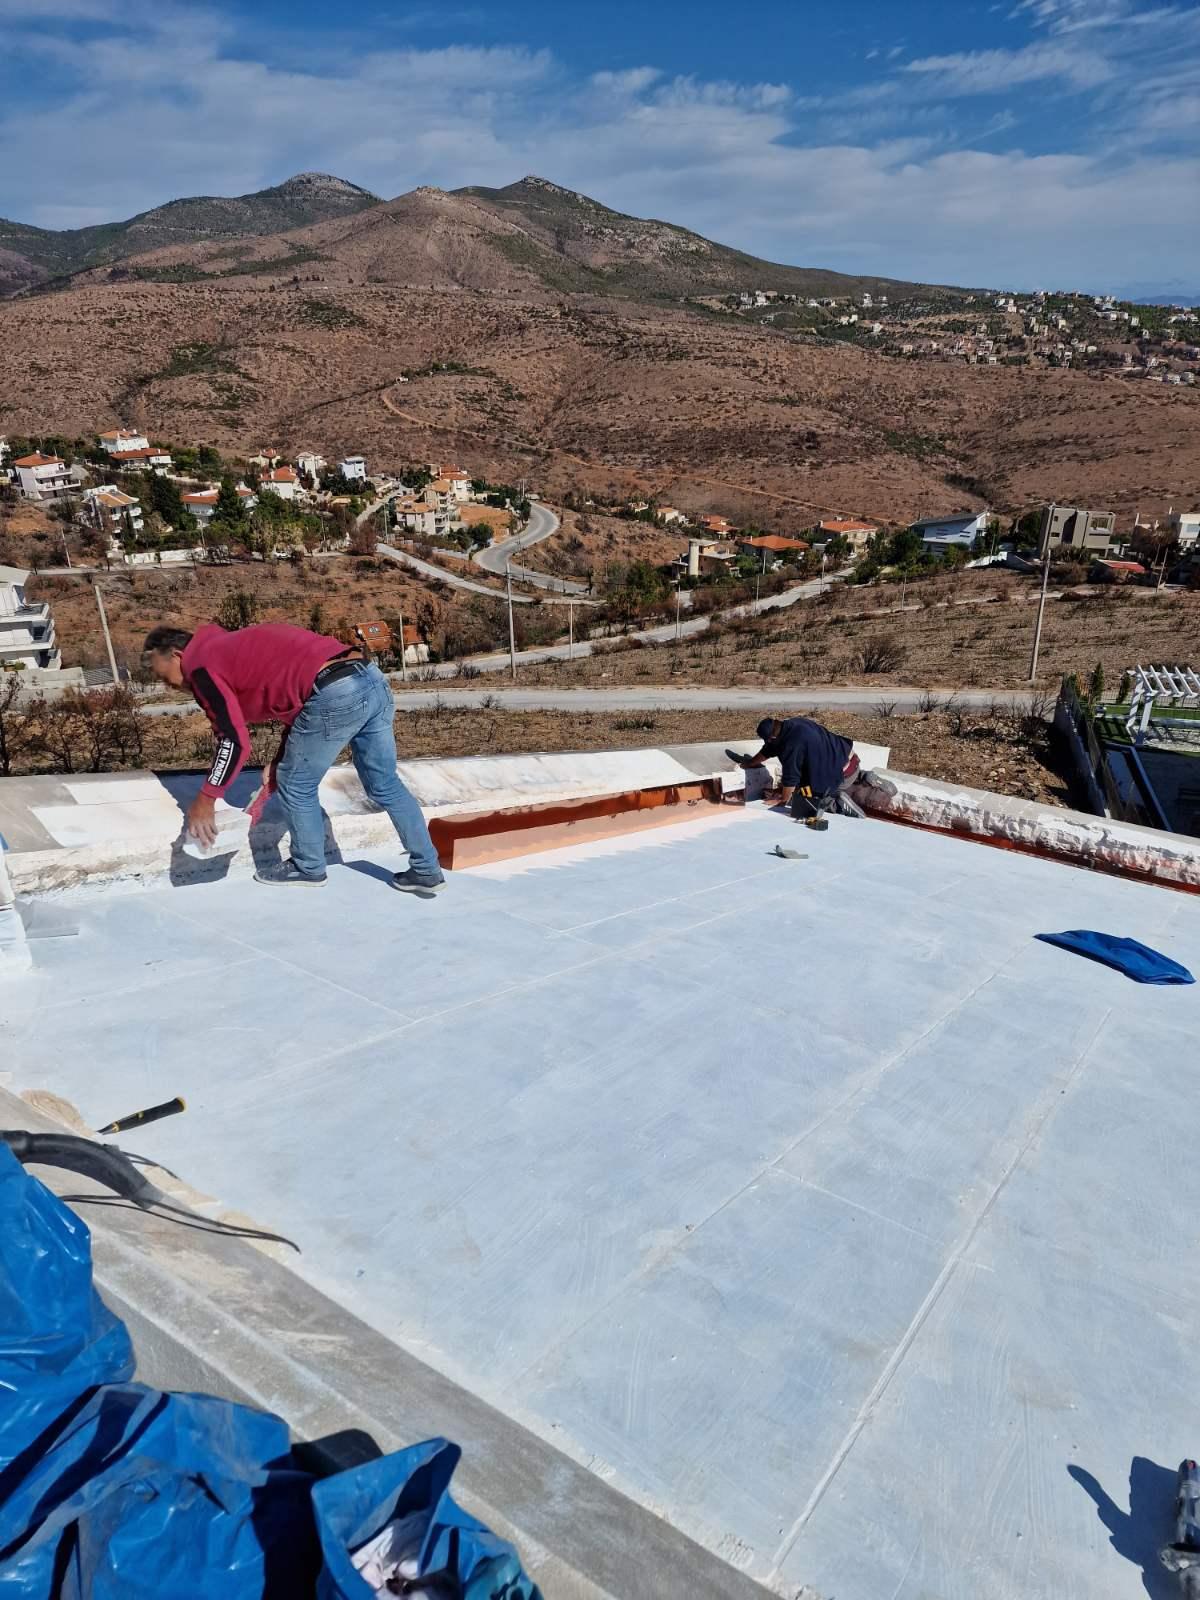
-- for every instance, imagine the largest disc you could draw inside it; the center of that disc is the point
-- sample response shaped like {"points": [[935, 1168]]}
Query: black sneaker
{"points": [[413, 882], [286, 874]]}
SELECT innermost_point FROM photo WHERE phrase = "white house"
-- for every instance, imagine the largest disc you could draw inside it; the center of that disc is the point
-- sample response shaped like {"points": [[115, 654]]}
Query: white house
{"points": [[43, 478], [311, 464], [431, 515], [114, 512], [142, 457], [1184, 527], [26, 626], [353, 469], [203, 502], [281, 481], [119, 439], [938, 533]]}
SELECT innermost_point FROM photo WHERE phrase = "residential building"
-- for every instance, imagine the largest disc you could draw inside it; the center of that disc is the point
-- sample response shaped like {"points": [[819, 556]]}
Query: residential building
{"points": [[939, 533], [380, 637], [353, 469], [281, 481], [442, 496], [311, 465], [718, 527], [203, 502], [26, 626], [121, 439], [771, 548], [143, 457], [856, 534], [669, 514], [113, 512], [1070, 528], [264, 459], [43, 478], [459, 481], [425, 518], [1184, 527]]}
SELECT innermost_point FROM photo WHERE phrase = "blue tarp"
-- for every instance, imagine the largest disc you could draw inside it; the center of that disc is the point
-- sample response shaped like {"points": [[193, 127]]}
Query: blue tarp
{"points": [[111, 1489], [1136, 961]]}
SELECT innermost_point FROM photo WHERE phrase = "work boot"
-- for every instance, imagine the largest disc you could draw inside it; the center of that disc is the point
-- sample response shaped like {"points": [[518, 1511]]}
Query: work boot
{"points": [[286, 874], [413, 882]]}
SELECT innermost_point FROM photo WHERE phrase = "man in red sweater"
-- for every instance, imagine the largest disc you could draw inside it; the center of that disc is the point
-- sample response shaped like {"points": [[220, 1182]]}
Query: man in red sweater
{"points": [[327, 697]]}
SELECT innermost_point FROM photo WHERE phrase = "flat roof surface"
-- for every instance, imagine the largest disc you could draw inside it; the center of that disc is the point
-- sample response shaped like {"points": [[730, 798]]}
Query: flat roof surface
{"points": [[813, 1203]]}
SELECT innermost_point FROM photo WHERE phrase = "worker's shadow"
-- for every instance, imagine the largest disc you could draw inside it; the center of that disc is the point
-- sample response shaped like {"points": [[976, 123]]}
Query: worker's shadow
{"points": [[1140, 1533]]}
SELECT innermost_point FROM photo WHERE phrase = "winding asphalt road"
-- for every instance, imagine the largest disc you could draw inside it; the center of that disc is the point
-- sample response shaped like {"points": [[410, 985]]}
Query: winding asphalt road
{"points": [[542, 524]]}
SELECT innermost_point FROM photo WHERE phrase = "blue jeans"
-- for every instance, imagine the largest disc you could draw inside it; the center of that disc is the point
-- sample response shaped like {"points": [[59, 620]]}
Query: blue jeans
{"points": [[356, 710]]}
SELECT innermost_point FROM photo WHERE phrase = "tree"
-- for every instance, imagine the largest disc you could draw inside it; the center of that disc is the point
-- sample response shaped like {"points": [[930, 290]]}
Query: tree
{"points": [[161, 495], [239, 609], [13, 731], [229, 508], [208, 459], [364, 537]]}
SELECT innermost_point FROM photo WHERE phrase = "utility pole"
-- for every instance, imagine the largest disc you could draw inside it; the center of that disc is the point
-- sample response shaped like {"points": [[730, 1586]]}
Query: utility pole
{"points": [[403, 662], [512, 635], [571, 626], [678, 623], [112, 660], [66, 548], [1037, 632]]}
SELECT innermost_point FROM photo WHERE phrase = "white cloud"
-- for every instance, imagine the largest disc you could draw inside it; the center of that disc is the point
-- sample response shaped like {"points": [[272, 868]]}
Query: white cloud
{"points": [[630, 82], [997, 71]]}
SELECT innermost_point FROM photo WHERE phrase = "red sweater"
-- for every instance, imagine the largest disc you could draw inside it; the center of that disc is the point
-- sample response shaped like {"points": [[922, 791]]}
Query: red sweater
{"points": [[259, 674]]}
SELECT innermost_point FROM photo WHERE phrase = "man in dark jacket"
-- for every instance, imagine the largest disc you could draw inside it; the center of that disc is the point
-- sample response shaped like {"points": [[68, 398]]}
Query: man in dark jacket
{"points": [[817, 765], [327, 697]]}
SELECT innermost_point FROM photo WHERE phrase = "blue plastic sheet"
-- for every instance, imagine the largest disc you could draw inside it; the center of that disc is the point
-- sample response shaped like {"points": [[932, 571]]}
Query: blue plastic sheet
{"points": [[1136, 961], [111, 1490]]}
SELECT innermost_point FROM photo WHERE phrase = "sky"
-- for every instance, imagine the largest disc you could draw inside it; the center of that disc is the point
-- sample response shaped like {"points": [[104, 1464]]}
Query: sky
{"points": [[1024, 144]]}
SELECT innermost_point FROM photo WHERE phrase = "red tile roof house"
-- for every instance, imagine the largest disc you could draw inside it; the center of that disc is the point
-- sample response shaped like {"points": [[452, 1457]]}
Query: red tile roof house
{"points": [[42, 477], [772, 548], [283, 481]]}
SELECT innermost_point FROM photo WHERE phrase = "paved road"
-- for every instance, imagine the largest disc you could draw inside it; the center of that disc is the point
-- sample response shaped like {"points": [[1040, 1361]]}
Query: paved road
{"points": [[428, 570], [542, 524], [658, 699], [818, 697]]}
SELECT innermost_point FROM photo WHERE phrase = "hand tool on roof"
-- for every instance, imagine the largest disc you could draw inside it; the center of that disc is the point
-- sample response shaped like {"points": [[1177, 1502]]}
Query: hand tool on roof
{"points": [[1183, 1555], [137, 1119]]}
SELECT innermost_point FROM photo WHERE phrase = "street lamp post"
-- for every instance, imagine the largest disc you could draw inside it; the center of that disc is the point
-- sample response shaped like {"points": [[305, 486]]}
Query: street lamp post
{"points": [[512, 634]]}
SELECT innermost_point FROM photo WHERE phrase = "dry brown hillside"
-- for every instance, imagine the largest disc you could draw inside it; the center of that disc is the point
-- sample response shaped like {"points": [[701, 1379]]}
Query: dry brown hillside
{"points": [[596, 394]]}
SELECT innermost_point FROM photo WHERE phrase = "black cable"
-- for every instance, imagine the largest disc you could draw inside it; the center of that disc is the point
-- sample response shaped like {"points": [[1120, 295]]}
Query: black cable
{"points": [[180, 1217]]}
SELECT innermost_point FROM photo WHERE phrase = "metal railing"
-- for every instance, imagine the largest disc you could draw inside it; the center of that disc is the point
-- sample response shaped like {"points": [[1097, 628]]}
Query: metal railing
{"points": [[1157, 691]]}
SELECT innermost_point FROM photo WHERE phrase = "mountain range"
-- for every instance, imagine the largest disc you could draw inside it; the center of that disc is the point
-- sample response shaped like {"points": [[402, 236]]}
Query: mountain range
{"points": [[30, 256], [531, 232], [530, 331]]}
